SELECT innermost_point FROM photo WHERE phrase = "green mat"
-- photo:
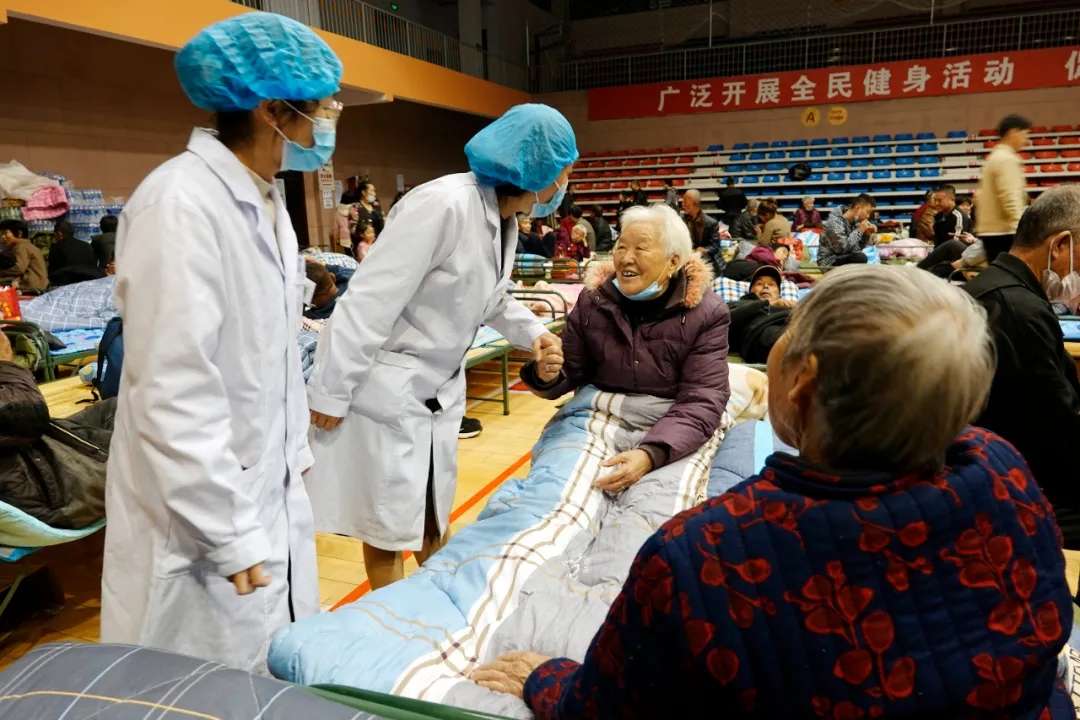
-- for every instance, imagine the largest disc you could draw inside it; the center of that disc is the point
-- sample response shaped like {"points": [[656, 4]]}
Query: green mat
{"points": [[393, 707]]}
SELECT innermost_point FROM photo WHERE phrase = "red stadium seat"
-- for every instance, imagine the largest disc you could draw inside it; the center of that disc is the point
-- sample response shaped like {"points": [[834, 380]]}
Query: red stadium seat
{"points": [[1029, 169], [989, 144], [1046, 154], [1074, 167], [1071, 153], [1053, 168], [654, 184], [609, 174], [1069, 140], [689, 149], [1039, 129], [988, 132], [1044, 141], [679, 182], [1025, 155], [685, 160], [650, 161], [633, 162], [1060, 128]]}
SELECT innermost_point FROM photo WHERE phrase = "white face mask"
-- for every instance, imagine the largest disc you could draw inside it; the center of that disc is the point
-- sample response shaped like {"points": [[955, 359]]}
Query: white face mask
{"points": [[1067, 291], [370, 197]]}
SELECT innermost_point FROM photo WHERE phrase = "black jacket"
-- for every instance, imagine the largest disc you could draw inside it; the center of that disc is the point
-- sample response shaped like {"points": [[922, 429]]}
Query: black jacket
{"points": [[732, 201], [1035, 399], [72, 261], [104, 247], [703, 230], [604, 241], [533, 244], [743, 227], [52, 470], [755, 328]]}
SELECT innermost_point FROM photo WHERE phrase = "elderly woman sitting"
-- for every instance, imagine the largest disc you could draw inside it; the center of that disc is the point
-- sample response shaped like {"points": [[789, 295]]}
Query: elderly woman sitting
{"points": [[648, 324], [902, 565]]}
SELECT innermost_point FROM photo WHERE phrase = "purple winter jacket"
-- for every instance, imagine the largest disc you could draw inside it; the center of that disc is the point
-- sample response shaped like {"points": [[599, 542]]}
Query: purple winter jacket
{"points": [[681, 356]]}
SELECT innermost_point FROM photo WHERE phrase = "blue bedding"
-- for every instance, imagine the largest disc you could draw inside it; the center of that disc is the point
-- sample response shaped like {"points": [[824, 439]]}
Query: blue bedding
{"points": [[537, 570]]}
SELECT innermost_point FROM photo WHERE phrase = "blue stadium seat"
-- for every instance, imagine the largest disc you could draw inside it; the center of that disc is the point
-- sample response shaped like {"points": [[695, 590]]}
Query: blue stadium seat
{"points": [[737, 157], [779, 144], [859, 175], [771, 179], [883, 174], [836, 177], [817, 164], [860, 162], [714, 148], [819, 141], [752, 167], [883, 137], [819, 152], [839, 151], [903, 137], [882, 162], [928, 160], [930, 172], [777, 154], [796, 154], [883, 149], [841, 140], [741, 146], [906, 187], [860, 139], [814, 177], [905, 161], [860, 151], [928, 147], [759, 145], [750, 180], [757, 155], [905, 148], [925, 136], [905, 174], [774, 167], [799, 143], [835, 191], [837, 163], [956, 134]]}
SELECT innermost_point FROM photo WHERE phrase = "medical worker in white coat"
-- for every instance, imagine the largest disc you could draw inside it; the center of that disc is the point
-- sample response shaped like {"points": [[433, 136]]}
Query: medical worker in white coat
{"points": [[210, 543], [391, 360]]}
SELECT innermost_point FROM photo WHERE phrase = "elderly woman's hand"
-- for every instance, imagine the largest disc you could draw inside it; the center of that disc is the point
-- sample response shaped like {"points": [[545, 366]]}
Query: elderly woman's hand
{"points": [[548, 355], [629, 467], [509, 673]]}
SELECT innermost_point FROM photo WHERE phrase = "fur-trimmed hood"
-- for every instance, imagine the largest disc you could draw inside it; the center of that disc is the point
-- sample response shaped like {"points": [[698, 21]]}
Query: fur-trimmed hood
{"points": [[697, 280]]}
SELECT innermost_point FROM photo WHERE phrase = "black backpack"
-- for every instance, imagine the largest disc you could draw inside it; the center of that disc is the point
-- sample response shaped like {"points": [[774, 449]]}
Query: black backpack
{"points": [[110, 359]]}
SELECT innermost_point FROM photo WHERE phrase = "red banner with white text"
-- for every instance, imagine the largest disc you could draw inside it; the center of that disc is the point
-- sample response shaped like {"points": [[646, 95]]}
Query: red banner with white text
{"points": [[995, 72]]}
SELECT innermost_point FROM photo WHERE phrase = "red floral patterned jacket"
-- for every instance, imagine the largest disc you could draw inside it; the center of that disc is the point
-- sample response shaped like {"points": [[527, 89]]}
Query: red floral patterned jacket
{"points": [[804, 594]]}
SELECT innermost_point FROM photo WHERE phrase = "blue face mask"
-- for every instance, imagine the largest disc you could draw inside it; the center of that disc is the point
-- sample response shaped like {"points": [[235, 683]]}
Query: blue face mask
{"points": [[295, 156], [542, 210], [653, 291]]}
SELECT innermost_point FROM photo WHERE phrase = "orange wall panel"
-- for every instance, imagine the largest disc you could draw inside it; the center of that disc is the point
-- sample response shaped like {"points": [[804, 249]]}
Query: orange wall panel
{"points": [[170, 24]]}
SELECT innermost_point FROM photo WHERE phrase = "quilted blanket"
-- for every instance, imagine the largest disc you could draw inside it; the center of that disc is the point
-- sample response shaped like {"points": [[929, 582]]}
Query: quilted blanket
{"points": [[537, 570]]}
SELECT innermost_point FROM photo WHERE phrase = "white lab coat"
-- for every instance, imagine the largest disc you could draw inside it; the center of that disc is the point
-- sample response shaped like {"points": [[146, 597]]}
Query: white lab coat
{"points": [[398, 338], [205, 470]]}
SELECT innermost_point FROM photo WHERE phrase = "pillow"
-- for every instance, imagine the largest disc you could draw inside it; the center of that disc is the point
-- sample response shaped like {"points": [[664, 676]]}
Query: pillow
{"points": [[733, 290]]}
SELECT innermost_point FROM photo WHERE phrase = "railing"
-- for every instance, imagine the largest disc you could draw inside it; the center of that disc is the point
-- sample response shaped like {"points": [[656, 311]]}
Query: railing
{"points": [[368, 24], [965, 37]]}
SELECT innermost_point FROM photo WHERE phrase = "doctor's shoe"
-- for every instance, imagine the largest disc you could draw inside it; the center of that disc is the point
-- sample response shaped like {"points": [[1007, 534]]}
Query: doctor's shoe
{"points": [[470, 428]]}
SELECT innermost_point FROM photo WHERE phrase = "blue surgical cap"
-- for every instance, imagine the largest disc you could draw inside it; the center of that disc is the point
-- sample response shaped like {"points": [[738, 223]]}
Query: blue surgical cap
{"points": [[528, 147], [237, 63]]}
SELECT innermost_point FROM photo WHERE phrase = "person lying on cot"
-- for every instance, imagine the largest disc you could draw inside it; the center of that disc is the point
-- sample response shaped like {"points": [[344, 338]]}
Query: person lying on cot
{"points": [[330, 284], [648, 324], [760, 317], [903, 565]]}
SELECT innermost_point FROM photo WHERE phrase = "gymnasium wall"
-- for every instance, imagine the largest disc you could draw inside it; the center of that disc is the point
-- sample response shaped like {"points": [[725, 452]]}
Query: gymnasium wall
{"points": [[104, 113], [969, 112]]}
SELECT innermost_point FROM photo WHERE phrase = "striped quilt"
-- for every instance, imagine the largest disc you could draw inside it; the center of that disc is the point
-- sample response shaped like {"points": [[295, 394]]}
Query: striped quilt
{"points": [[538, 569]]}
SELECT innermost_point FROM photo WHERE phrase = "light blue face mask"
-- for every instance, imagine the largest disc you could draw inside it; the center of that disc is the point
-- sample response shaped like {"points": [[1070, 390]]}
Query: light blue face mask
{"points": [[543, 210], [295, 156], [653, 291]]}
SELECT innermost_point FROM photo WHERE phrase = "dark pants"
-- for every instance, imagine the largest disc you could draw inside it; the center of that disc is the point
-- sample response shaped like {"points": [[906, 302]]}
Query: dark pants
{"points": [[941, 258], [996, 244], [850, 259]]}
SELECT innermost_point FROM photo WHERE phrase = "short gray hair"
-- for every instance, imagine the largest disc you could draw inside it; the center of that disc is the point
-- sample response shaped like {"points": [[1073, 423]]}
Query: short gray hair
{"points": [[693, 194], [673, 231], [905, 361], [1056, 210]]}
